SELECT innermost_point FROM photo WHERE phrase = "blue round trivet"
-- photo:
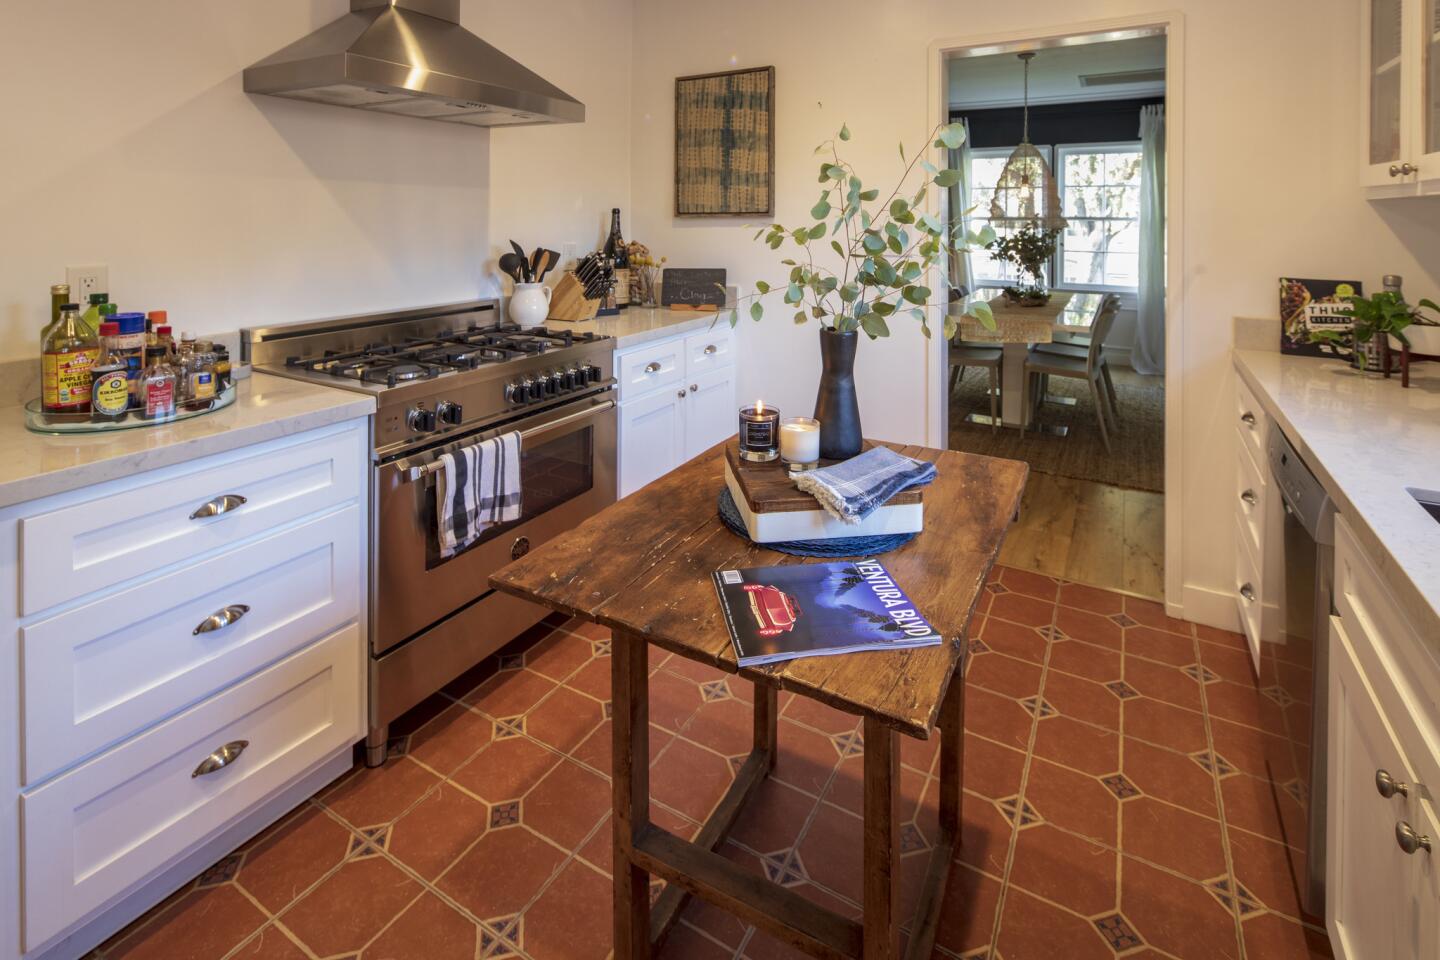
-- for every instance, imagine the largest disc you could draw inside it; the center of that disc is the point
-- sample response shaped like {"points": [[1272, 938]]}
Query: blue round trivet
{"points": [[841, 547]]}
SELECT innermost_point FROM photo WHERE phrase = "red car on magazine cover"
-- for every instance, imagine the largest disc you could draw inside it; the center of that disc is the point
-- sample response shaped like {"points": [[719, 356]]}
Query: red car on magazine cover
{"points": [[775, 610]]}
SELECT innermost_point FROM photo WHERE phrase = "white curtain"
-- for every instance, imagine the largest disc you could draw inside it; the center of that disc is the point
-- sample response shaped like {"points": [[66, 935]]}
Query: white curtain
{"points": [[1148, 355], [962, 272]]}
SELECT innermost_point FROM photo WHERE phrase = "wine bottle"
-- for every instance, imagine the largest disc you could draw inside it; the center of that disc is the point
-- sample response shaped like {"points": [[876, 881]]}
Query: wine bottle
{"points": [[617, 250]]}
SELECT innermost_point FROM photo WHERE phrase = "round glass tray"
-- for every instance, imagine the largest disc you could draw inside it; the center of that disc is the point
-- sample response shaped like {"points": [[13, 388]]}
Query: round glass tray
{"points": [[38, 421]]}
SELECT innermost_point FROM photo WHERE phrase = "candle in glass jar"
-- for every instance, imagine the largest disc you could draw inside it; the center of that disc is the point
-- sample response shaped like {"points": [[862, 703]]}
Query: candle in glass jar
{"points": [[800, 442], [759, 433]]}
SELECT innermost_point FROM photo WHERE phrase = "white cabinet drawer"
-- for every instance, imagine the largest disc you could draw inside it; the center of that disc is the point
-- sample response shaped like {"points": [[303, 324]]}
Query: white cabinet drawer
{"points": [[115, 537], [1249, 595], [1250, 417], [1251, 496], [99, 673], [650, 367], [95, 832], [710, 349]]}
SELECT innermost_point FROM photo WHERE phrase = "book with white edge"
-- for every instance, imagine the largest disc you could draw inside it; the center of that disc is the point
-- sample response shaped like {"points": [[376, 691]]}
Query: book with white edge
{"points": [[817, 524]]}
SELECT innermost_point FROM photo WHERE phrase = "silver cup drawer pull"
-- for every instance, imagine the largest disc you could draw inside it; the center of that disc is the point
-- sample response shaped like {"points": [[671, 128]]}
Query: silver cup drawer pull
{"points": [[652, 367], [221, 619], [221, 758], [1248, 592], [1387, 786], [1410, 841], [230, 501], [1249, 497], [711, 350], [1247, 418]]}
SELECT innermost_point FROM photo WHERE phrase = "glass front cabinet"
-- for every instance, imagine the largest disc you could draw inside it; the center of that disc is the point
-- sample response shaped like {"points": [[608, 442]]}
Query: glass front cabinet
{"points": [[1400, 64]]}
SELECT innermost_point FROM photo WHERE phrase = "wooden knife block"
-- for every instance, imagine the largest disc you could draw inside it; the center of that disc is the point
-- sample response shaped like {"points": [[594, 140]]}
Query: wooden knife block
{"points": [[568, 302]]}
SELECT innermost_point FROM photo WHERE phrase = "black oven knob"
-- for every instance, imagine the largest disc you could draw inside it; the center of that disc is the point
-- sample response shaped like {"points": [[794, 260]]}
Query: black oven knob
{"points": [[534, 390], [451, 413], [570, 378], [420, 420], [555, 384], [515, 392], [594, 374]]}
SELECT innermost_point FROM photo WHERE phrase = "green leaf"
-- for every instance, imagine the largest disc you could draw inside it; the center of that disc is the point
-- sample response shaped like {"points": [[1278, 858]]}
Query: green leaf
{"points": [[835, 172], [835, 245], [869, 195], [757, 310], [873, 242], [952, 135], [850, 292], [844, 132], [884, 308], [917, 295], [793, 293], [947, 178], [874, 325], [762, 286], [758, 233], [932, 224], [824, 172], [817, 312], [788, 262], [929, 167], [817, 231], [800, 316], [981, 311], [902, 151], [895, 246], [821, 210], [884, 272], [898, 208]]}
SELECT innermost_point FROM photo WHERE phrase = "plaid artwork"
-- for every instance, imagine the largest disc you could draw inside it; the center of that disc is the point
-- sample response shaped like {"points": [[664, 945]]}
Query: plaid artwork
{"points": [[724, 144]]}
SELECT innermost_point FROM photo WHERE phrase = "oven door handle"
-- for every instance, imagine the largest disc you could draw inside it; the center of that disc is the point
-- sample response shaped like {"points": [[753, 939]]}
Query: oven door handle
{"points": [[417, 473]]}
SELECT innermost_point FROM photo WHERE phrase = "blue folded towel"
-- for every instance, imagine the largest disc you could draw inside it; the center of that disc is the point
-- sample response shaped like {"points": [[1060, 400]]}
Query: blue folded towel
{"points": [[852, 490]]}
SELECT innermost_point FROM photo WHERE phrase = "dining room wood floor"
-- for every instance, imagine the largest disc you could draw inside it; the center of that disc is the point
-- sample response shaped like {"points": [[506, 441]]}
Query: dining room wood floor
{"points": [[1118, 803]]}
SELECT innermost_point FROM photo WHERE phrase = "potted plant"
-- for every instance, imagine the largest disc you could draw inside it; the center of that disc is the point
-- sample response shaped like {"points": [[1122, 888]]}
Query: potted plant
{"points": [[1375, 320], [1030, 248], [883, 252]]}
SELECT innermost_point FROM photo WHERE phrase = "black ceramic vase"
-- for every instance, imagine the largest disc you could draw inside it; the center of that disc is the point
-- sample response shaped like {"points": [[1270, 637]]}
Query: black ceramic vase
{"points": [[836, 407]]}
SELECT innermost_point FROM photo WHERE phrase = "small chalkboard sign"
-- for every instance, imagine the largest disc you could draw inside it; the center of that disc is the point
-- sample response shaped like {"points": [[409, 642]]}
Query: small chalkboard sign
{"points": [[683, 287]]}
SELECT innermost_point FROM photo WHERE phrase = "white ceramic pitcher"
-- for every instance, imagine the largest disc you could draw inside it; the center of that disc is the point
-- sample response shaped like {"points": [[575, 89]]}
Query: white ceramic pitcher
{"points": [[529, 305]]}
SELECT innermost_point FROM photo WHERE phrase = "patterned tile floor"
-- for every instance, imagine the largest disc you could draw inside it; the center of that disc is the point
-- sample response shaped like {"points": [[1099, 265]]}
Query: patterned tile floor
{"points": [[1117, 803]]}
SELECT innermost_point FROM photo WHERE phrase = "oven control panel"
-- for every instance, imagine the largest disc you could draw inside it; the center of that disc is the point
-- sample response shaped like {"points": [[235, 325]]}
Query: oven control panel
{"points": [[548, 384]]}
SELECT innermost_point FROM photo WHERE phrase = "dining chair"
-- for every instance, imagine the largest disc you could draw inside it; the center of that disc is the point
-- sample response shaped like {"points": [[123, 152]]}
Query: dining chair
{"points": [[1110, 306], [964, 355], [1090, 368]]}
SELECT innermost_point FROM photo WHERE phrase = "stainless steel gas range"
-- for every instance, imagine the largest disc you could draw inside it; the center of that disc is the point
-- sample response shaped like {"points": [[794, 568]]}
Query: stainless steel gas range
{"points": [[445, 377]]}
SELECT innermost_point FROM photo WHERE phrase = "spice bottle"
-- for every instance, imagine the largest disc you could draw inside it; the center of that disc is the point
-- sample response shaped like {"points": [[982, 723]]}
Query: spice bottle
{"points": [[199, 370], [224, 373], [109, 382], [158, 385], [164, 337], [130, 347], [68, 354]]}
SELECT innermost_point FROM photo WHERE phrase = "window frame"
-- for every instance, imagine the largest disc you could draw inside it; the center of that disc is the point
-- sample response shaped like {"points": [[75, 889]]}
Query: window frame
{"points": [[989, 153], [1058, 153]]}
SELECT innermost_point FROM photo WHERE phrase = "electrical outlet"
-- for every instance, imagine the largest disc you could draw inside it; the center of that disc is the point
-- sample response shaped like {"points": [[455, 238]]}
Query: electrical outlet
{"points": [[85, 281], [567, 255]]}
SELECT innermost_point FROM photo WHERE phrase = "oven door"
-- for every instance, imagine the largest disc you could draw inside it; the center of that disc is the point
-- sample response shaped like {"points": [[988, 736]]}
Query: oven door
{"points": [[567, 473]]}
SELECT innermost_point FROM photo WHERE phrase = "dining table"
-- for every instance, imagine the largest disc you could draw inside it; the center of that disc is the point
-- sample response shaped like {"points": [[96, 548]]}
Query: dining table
{"points": [[1017, 329], [643, 567]]}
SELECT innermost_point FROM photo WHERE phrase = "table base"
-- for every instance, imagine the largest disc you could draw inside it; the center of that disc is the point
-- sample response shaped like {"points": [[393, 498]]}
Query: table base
{"points": [[1046, 429]]}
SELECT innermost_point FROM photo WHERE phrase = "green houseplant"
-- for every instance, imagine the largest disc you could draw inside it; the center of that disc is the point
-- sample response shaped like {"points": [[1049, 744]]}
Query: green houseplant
{"points": [[873, 269], [1029, 248], [1376, 319]]}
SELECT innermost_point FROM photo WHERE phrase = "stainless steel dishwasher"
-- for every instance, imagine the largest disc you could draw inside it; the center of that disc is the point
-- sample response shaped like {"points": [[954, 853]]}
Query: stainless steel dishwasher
{"points": [[1309, 582]]}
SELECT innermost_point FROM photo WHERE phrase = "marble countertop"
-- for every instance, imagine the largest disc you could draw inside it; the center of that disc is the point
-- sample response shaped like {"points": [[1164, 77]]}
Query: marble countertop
{"points": [[1367, 440], [36, 465], [641, 324]]}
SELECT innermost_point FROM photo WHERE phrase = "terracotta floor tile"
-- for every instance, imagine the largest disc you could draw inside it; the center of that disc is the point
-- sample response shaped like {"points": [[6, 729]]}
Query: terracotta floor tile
{"points": [[1091, 599], [525, 861], [567, 804], [1088, 748], [586, 629], [1014, 640], [595, 750], [687, 943], [1082, 700], [991, 769], [806, 759], [1272, 872], [592, 679], [291, 858], [271, 943], [510, 693], [1031, 929], [1170, 776], [450, 739], [1089, 627], [371, 797], [437, 830], [1159, 645], [1085, 660], [773, 817], [1163, 681], [471, 679], [998, 718], [1297, 722], [325, 919], [725, 726], [1253, 751], [1005, 675], [1066, 870], [972, 900], [506, 769], [1229, 662], [204, 924], [690, 779], [762, 946], [564, 719], [1018, 608], [559, 655], [1172, 837], [812, 713], [832, 851], [1256, 806], [1073, 801], [1030, 584], [1226, 638], [673, 700], [429, 929], [572, 918], [1152, 614], [1164, 724], [598, 851], [696, 671], [920, 754], [1176, 915], [1275, 938], [1244, 705]]}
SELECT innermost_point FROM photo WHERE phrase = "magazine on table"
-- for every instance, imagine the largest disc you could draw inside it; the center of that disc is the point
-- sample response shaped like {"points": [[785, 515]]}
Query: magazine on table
{"points": [[815, 610]]}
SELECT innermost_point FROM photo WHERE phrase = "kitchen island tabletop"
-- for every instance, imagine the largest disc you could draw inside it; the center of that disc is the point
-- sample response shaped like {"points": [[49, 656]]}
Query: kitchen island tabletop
{"points": [[643, 568]]}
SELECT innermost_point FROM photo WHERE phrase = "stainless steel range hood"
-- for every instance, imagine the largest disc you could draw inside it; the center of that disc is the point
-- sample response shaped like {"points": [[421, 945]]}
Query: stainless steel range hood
{"points": [[412, 57]]}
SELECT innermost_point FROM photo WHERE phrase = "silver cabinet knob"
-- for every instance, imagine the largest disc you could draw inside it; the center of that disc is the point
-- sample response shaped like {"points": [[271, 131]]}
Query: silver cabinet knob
{"points": [[652, 367], [1249, 497], [1395, 169], [1408, 168], [1248, 592], [230, 501], [221, 758], [694, 388], [1247, 418], [711, 350], [1410, 841], [1387, 786], [681, 394], [221, 619]]}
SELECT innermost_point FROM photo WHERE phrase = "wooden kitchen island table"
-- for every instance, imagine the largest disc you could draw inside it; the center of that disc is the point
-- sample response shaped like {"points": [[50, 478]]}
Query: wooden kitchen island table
{"points": [[643, 566]]}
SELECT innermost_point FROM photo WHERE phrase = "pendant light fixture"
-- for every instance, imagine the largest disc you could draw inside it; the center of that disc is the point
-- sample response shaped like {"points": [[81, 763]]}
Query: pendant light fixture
{"points": [[1026, 192]]}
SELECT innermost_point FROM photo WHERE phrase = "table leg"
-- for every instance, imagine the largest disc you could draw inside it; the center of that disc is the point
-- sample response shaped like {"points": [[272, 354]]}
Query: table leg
{"points": [[766, 717], [630, 772], [882, 842], [1013, 376], [937, 874]]}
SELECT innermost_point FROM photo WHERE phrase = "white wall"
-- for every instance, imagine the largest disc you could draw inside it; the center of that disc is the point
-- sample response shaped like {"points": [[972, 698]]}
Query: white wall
{"points": [[128, 141], [1271, 184]]}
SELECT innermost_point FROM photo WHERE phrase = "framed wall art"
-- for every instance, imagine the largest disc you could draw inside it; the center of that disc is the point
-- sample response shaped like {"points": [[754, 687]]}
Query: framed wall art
{"points": [[725, 144]]}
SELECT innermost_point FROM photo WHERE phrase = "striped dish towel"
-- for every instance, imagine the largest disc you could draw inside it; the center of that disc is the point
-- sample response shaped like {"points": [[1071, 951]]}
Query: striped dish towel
{"points": [[853, 489], [478, 487]]}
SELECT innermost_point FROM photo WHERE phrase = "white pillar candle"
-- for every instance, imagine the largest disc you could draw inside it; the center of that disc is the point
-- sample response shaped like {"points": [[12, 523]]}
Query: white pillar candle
{"points": [[800, 440]]}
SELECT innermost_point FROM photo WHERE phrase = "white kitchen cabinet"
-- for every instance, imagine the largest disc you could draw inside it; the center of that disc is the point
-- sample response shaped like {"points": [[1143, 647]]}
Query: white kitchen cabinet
{"points": [[146, 622], [1259, 529], [1400, 97], [677, 400]]}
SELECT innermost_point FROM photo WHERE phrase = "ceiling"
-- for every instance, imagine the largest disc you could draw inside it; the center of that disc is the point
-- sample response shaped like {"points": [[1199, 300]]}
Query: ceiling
{"points": [[997, 81]]}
